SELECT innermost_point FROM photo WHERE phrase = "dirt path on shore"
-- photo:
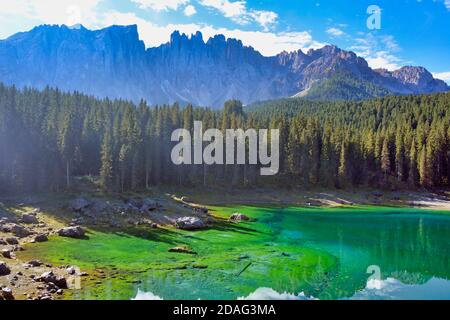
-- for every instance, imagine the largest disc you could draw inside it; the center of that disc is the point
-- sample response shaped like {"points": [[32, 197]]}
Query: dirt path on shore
{"points": [[335, 198]]}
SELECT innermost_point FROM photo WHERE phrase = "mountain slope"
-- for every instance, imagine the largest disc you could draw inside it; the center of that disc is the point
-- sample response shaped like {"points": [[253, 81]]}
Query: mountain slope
{"points": [[343, 86], [113, 62]]}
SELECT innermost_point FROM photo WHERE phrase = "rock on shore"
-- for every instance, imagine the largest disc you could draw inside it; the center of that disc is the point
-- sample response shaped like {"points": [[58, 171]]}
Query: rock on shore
{"points": [[190, 223], [6, 294], [72, 232], [4, 269], [238, 217], [50, 277]]}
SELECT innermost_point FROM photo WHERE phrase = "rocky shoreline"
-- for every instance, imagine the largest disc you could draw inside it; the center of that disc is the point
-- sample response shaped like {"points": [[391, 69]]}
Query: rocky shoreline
{"points": [[36, 280]]}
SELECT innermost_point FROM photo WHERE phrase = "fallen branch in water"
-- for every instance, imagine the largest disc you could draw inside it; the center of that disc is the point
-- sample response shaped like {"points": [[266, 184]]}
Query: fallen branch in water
{"points": [[242, 271]]}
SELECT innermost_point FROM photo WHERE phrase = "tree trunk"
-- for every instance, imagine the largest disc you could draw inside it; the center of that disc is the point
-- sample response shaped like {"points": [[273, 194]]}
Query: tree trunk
{"points": [[67, 174], [146, 177], [204, 174]]}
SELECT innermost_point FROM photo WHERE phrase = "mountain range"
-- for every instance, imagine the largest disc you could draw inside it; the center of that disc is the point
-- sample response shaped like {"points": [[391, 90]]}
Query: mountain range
{"points": [[113, 62]]}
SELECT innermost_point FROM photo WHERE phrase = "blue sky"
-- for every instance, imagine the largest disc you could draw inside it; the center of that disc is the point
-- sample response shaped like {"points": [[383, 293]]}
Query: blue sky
{"points": [[413, 32]]}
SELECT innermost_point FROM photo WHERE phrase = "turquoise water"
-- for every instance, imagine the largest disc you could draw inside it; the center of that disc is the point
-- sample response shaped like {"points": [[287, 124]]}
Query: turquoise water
{"points": [[290, 253], [383, 253]]}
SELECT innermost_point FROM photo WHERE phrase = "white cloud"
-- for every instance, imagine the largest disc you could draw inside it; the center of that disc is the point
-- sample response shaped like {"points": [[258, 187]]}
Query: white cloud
{"points": [[447, 4], [266, 19], [19, 7], [237, 11], [52, 12], [442, 75], [393, 289], [335, 32], [268, 43], [383, 60], [233, 10], [379, 51], [189, 11], [270, 294], [160, 5], [141, 295]]}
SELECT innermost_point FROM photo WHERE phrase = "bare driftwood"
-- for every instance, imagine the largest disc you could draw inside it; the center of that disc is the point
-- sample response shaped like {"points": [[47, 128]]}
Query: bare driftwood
{"points": [[243, 270]]}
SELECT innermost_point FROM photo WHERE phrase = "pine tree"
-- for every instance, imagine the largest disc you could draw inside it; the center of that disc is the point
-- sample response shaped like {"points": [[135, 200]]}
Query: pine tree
{"points": [[106, 171], [385, 161], [399, 157], [423, 172], [67, 144], [343, 167], [413, 173]]}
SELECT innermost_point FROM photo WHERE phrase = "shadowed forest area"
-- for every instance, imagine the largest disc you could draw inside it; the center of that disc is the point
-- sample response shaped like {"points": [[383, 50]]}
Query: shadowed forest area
{"points": [[48, 137]]}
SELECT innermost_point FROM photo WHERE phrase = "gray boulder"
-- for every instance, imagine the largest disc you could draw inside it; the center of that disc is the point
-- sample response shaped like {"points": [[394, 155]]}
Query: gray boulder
{"points": [[190, 223], [29, 219], [41, 238], [50, 277], [3, 221], [18, 248], [71, 270], [20, 231], [238, 217], [6, 253], [4, 269], [72, 232], [12, 241], [35, 263], [6, 294]]}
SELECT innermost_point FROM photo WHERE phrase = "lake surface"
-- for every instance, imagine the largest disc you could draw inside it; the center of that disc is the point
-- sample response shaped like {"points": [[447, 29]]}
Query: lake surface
{"points": [[289, 253]]}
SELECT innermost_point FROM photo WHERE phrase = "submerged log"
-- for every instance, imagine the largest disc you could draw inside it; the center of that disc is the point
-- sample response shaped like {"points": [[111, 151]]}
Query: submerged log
{"points": [[243, 270]]}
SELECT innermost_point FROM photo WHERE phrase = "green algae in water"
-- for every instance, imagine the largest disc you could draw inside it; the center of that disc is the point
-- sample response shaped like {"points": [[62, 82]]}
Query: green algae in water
{"points": [[324, 252]]}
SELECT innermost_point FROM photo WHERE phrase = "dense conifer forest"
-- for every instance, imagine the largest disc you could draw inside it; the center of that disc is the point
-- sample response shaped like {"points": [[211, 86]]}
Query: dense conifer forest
{"points": [[49, 137]]}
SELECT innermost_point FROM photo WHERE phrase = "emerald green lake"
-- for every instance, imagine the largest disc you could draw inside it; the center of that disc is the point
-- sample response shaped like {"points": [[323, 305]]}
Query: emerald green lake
{"points": [[325, 253]]}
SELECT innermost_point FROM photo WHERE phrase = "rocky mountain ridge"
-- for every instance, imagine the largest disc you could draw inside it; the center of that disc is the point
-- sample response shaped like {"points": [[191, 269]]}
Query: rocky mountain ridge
{"points": [[113, 62]]}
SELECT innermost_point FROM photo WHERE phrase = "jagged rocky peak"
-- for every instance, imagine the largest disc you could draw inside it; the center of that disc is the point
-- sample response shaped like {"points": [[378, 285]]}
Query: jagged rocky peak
{"points": [[413, 75], [198, 36], [327, 50], [333, 52], [408, 74], [113, 62], [181, 38], [177, 36], [218, 39], [235, 43], [418, 79], [77, 26], [293, 58]]}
